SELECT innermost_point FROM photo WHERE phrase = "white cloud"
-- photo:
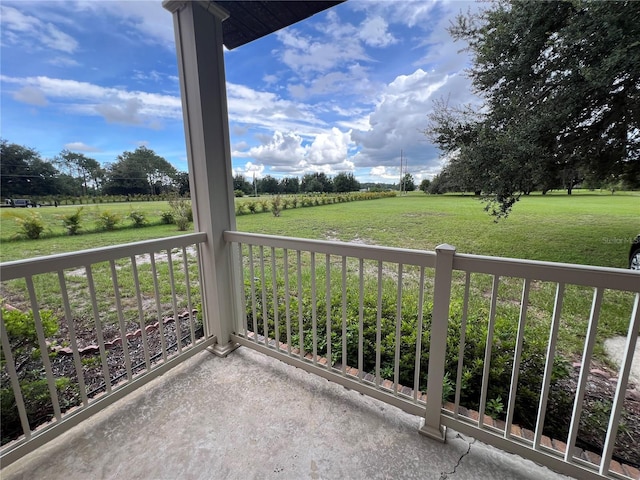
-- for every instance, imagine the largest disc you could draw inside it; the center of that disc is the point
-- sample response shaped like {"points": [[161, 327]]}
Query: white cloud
{"points": [[80, 147], [398, 121], [116, 105], [288, 153], [269, 111], [31, 95], [373, 32], [31, 32], [150, 20]]}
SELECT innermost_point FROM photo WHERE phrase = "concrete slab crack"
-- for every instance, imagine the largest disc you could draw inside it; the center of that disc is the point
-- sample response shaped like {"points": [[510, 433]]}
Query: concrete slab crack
{"points": [[445, 475]]}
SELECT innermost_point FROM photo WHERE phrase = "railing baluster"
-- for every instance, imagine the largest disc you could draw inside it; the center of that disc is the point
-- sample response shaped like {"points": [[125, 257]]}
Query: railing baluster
{"points": [[416, 373], [517, 356], [99, 335], [187, 282], [344, 315], [621, 387], [287, 298], [44, 349], [463, 339], [174, 303], [328, 307], [15, 382], [274, 284], [265, 312], [254, 312], [396, 366], [143, 330], [487, 352], [77, 362], [300, 299], [361, 321], [379, 324], [584, 373], [156, 291], [548, 368], [314, 310]]}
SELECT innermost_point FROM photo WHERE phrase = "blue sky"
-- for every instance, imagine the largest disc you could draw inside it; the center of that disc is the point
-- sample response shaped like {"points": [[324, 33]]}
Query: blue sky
{"points": [[345, 90]]}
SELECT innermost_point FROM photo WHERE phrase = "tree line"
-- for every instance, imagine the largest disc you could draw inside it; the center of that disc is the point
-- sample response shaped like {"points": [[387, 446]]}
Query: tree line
{"points": [[24, 173], [343, 182], [560, 84]]}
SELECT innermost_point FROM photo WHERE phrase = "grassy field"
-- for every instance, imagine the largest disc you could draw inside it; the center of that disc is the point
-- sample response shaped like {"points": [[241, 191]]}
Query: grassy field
{"points": [[585, 228]]}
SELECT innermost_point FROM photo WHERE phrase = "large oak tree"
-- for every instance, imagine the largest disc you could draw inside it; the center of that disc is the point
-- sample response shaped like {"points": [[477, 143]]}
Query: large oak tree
{"points": [[561, 88]]}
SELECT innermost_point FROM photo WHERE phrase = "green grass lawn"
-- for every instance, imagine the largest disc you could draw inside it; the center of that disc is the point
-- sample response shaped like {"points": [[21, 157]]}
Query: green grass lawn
{"points": [[585, 228]]}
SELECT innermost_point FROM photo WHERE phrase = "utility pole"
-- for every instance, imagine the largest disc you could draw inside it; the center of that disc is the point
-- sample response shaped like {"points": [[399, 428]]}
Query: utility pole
{"points": [[401, 174]]}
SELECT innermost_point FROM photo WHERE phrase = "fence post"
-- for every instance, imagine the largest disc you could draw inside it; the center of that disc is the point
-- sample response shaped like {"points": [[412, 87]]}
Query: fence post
{"points": [[431, 427]]}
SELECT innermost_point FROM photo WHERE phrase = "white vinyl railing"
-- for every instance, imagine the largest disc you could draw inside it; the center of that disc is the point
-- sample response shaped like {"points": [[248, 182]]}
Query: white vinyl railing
{"points": [[137, 302], [368, 317]]}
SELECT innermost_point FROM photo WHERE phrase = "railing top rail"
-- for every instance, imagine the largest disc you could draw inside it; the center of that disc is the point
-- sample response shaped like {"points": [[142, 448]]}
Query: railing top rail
{"points": [[406, 256], [51, 263], [584, 275]]}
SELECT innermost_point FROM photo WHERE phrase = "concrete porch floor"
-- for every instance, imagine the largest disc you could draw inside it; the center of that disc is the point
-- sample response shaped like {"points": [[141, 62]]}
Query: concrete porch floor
{"points": [[250, 416]]}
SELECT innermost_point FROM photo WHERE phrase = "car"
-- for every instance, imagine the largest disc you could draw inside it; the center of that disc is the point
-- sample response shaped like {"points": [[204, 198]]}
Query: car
{"points": [[21, 203], [634, 254]]}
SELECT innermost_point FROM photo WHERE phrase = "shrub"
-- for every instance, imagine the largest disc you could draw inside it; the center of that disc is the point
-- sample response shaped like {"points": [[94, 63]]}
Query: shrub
{"points": [[138, 218], [30, 226], [166, 217], [252, 206], [182, 212], [71, 221], [238, 193], [108, 220], [22, 336], [276, 206]]}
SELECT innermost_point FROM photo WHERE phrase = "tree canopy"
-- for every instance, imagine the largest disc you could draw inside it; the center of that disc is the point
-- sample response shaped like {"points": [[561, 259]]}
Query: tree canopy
{"points": [[561, 89]]}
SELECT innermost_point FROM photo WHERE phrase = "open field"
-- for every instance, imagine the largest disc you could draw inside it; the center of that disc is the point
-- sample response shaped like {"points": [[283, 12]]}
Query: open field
{"points": [[585, 228]]}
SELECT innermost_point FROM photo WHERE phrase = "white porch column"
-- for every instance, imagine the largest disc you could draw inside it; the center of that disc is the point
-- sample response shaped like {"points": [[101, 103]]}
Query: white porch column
{"points": [[431, 426], [198, 31]]}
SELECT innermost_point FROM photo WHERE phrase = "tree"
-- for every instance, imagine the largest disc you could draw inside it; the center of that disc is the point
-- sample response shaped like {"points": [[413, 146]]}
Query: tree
{"points": [[182, 183], [241, 183], [24, 173], [80, 166], [562, 101], [345, 182], [408, 183], [424, 185], [316, 182], [268, 184], [290, 185], [140, 172]]}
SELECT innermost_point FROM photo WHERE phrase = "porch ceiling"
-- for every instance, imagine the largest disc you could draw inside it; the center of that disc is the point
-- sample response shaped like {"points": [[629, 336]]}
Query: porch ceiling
{"points": [[251, 20]]}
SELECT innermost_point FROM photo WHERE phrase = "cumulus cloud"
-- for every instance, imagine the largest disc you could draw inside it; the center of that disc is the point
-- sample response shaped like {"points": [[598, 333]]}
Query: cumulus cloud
{"points": [[290, 153], [373, 32]]}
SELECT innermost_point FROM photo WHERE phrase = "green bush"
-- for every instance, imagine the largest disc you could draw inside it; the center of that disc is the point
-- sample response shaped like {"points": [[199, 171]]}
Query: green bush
{"points": [[182, 212], [71, 221], [504, 342], [30, 226], [22, 337], [138, 218], [276, 206], [238, 193], [108, 220], [167, 218]]}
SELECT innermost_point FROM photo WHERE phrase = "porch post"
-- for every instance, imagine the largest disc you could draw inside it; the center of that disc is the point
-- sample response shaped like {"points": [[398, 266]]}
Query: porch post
{"points": [[198, 31], [431, 426]]}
